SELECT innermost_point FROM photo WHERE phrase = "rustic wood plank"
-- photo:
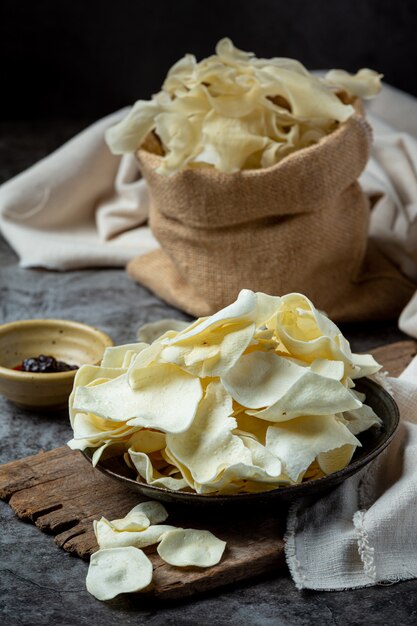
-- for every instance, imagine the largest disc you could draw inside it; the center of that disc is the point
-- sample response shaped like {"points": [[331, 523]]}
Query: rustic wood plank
{"points": [[62, 494], [396, 356]]}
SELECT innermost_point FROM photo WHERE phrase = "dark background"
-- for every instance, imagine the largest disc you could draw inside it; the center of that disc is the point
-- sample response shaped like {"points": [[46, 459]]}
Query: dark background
{"points": [[77, 59]]}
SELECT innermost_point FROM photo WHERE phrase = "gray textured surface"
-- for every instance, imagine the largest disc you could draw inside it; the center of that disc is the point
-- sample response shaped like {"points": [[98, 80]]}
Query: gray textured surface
{"points": [[39, 583]]}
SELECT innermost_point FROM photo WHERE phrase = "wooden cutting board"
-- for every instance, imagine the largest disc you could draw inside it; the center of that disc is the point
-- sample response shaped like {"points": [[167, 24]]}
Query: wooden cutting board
{"points": [[62, 494]]}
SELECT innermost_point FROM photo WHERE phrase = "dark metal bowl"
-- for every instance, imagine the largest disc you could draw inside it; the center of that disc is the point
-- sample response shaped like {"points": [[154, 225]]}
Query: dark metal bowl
{"points": [[373, 442]]}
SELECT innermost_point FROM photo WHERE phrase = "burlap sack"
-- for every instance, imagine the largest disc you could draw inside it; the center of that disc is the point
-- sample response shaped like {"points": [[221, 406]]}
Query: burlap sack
{"points": [[300, 225]]}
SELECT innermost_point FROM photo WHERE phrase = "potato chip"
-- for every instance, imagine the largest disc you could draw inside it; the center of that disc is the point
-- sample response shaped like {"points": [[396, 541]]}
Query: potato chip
{"points": [[309, 335], [209, 444], [88, 426], [145, 469], [86, 375], [299, 441], [118, 570], [264, 468], [336, 459], [153, 403], [181, 467], [154, 330], [133, 522], [361, 419], [218, 350], [108, 450], [147, 441], [109, 537], [154, 511], [184, 547], [285, 388], [365, 83], [251, 425], [121, 356], [250, 307], [131, 132]]}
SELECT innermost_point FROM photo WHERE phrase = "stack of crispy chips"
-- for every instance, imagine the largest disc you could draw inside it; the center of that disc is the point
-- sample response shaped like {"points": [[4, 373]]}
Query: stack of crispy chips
{"points": [[234, 111], [258, 396]]}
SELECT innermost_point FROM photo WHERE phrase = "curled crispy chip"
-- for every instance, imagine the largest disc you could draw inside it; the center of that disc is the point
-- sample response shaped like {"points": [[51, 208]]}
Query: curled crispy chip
{"points": [[88, 375], [154, 402], [299, 441], [118, 570], [209, 445], [121, 356], [147, 441], [285, 388], [185, 547], [133, 522], [214, 352], [154, 330], [154, 511], [360, 419], [335, 460], [146, 471], [109, 537], [309, 335], [365, 83]]}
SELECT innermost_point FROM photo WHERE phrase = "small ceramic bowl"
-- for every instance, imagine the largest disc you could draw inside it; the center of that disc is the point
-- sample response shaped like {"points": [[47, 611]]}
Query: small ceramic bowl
{"points": [[71, 342]]}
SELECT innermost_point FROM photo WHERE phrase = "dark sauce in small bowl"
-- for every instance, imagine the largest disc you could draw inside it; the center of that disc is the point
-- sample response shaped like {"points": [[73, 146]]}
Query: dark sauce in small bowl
{"points": [[43, 364]]}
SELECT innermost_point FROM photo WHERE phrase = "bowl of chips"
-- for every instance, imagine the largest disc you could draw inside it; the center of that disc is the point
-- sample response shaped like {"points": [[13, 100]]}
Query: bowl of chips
{"points": [[373, 442], [262, 399]]}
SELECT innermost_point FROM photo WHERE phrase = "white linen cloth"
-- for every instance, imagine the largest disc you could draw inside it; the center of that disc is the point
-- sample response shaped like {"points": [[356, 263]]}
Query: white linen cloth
{"points": [[365, 531], [79, 207]]}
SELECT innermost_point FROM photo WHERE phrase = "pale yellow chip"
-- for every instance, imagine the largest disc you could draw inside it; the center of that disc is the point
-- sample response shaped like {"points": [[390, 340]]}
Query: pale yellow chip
{"points": [[109, 537], [209, 444], [148, 473], [86, 375], [299, 441], [152, 404], [365, 83], [152, 331], [130, 133], [108, 450], [335, 460], [361, 419], [285, 388], [133, 522], [121, 356], [154, 511], [250, 307], [147, 441], [118, 570], [213, 353], [309, 335], [184, 547]]}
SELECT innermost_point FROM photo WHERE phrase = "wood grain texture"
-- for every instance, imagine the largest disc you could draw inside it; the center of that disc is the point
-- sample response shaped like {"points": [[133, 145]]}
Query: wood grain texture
{"points": [[396, 356], [62, 494]]}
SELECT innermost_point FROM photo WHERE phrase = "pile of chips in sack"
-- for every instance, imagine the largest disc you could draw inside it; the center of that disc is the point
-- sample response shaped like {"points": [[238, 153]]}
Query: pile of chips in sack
{"points": [[258, 396], [234, 111]]}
